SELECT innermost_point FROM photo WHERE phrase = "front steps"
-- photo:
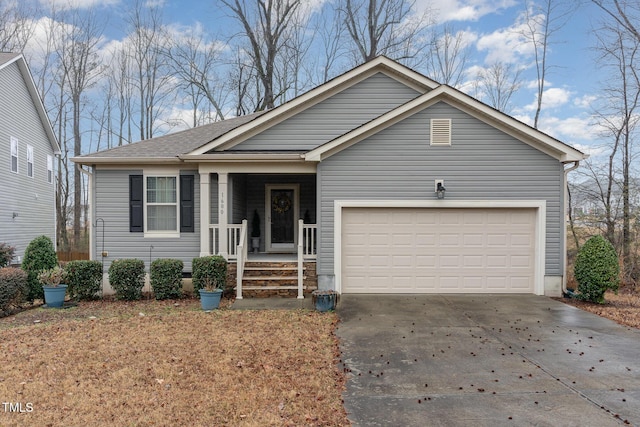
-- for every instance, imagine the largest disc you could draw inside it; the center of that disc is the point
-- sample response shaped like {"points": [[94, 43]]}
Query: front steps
{"points": [[264, 279]]}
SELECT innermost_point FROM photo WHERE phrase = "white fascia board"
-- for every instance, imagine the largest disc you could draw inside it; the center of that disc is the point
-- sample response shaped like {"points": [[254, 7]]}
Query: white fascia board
{"points": [[124, 160], [381, 64], [513, 127], [469, 105], [540, 231], [246, 157]]}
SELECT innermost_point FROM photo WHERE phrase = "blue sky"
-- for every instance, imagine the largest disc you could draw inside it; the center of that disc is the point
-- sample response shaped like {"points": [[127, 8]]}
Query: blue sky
{"points": [[491, 30]]}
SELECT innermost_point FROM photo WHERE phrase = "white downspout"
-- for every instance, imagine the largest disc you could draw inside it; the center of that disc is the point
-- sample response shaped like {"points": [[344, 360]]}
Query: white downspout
{"points": [[92, 249], [564, 229]]}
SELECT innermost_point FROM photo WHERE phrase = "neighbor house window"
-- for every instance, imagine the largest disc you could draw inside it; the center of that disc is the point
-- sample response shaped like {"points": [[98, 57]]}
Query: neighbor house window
{"points": [[14, 155], [29, 161], [162, 203], [49, 168]]}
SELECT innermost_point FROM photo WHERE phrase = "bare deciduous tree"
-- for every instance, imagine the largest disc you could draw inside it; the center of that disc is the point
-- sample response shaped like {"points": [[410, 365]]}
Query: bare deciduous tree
{"points": [[267, 27], [383, 27], [76, 49], [542, 22], [497, 84], [194, 60], [16, 25], [618, 116], [448, 60], [150, 76]]}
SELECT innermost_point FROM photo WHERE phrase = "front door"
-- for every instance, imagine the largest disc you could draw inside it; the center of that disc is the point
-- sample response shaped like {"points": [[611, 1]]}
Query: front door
{"points": [[281, 215]]}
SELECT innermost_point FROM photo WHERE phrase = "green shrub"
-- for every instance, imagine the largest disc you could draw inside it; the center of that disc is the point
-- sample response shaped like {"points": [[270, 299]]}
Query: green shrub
{"points": [[6, 254], [13, 287], [83, 279], [166, 278], [126, 277], [596, 269], [209, 272], [39, 255]]}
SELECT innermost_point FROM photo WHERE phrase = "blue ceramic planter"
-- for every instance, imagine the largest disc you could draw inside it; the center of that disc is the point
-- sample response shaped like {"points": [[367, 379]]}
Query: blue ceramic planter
{"points": [[324, 300], [54, 295], [210, 300]]}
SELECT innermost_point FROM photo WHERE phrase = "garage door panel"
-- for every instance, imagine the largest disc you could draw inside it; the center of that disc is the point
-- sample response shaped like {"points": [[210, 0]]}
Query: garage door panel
{"points": [[401, 250], [450, 239]]}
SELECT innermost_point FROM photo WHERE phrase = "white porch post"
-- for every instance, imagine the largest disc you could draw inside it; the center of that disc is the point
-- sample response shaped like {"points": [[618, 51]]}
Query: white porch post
{"points": [[223, 220], [205, 213]]}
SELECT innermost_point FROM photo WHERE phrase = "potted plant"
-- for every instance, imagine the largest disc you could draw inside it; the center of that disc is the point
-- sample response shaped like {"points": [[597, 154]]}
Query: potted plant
{"points": [[209, 277], [255, 231], [324, 300], [54, 290], [210, 295]]}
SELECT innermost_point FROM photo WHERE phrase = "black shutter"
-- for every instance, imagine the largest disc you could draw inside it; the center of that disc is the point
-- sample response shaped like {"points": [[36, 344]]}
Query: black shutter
{"points": [[136, 200], [186, 204]]}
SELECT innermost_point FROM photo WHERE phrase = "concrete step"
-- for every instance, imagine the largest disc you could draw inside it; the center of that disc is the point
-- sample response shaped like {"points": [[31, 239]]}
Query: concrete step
{"points": [[269, 288]]}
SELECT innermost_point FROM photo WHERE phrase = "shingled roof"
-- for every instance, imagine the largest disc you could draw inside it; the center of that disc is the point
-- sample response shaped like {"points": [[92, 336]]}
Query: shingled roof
{"points": [[172, 145]]}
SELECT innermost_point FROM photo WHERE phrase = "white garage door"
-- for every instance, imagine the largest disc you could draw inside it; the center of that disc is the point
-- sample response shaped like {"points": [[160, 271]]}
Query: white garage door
{"points": [[428, 250]]}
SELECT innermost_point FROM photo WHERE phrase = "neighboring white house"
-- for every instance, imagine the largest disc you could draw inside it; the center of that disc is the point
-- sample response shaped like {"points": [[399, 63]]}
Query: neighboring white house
{"points": [[359, 159], [28, 148]]}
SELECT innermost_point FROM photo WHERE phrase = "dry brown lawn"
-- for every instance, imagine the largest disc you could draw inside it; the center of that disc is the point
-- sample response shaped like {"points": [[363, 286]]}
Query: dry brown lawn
{"points": [[153, 363], [623, 308]]}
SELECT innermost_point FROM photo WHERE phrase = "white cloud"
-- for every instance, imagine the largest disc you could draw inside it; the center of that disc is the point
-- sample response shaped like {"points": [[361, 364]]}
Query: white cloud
{"points": [[462, 10], [551, 98], [572, 130], [585, 101], [76, 4]]}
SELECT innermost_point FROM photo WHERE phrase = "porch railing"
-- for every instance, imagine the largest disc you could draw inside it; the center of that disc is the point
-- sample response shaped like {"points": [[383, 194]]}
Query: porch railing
{"points": [[307, 235], [233, 239], [241, 257], [306, 250]]}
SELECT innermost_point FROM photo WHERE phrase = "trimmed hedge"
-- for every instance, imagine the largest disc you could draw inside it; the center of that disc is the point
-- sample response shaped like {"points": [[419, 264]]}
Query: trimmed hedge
{"points": [[13, 287], [166, 278], [6, 254], [83, 279], [39, 255], [126, 277], [596, 270], [209, 269]]}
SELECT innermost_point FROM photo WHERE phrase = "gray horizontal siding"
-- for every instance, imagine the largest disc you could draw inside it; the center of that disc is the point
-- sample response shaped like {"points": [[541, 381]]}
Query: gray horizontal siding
{"points": [[482, 164], [112, 205], [334, 116], [33, 199]]}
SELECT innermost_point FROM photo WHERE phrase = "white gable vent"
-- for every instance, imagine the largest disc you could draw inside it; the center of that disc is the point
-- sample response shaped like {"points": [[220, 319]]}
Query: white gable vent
{"points": [[440, 131]]}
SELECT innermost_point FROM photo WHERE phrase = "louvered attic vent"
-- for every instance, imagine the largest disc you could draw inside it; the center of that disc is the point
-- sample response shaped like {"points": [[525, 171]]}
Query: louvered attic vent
{"points": [[440, 131]]}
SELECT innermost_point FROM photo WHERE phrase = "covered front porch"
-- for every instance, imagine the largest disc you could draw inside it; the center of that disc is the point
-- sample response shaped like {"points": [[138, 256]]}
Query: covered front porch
{"points": [[264, 224]]}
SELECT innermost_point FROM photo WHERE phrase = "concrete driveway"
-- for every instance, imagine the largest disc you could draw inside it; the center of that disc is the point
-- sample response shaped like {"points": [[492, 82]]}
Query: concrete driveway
{"points": [[447, 360]]}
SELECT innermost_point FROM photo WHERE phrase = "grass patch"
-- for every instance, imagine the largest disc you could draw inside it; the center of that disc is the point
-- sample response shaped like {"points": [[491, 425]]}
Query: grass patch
{"points": [[166, 363]]}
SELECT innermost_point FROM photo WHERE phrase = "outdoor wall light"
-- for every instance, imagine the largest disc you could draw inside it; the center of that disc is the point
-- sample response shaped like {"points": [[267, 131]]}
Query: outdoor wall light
{"points": [[440, 190]]}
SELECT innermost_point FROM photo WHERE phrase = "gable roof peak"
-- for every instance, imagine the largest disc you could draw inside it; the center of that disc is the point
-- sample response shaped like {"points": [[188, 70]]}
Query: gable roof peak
{"points": [[392, 68]]}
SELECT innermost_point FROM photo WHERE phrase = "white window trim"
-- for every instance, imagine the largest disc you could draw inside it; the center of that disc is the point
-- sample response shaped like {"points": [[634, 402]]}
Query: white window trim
{"points": [[14, 143], [163, 233], [440, 132], [30, 161], [50, 168]]}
